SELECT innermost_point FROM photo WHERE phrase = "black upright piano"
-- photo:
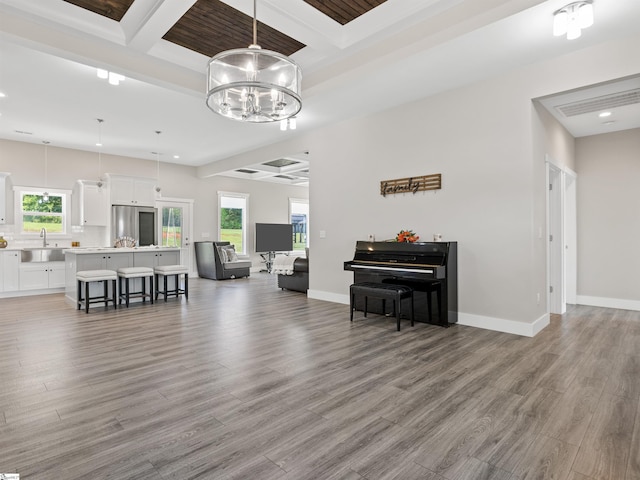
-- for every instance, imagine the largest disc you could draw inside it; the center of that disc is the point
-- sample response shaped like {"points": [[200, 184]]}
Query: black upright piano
{"points": [[430, 268]]}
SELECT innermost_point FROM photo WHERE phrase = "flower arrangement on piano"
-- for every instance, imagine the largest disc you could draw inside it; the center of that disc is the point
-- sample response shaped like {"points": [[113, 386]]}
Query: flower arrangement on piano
{"points": [[407, 236]]}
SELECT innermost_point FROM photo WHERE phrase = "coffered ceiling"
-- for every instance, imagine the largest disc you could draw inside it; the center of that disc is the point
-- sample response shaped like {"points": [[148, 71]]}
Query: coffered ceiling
{"points": [[357, 56]]}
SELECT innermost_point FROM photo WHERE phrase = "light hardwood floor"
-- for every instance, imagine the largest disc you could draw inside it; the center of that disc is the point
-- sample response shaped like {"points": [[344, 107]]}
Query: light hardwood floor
{"points": [[248, 381]]}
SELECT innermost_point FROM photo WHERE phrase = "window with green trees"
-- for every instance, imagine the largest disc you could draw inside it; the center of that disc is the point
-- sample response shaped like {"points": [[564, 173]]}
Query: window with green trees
{"points": [[43, 211], [233, 219]]}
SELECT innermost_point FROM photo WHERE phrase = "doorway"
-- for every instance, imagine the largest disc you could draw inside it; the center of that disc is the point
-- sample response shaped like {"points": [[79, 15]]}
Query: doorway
{"points": [[562, 237], [175, 227]]}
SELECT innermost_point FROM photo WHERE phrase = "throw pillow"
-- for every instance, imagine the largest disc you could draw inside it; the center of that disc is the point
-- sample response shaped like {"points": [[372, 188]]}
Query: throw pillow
{"points": [[222, 253], [230, 253]]}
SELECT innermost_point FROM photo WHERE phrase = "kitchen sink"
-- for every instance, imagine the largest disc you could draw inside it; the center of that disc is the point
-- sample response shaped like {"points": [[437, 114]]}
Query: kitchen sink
{"points": [[32, 255]]}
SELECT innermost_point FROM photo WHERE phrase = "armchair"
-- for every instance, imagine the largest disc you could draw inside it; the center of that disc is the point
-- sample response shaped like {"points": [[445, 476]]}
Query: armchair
{"points": [[216, 262]]}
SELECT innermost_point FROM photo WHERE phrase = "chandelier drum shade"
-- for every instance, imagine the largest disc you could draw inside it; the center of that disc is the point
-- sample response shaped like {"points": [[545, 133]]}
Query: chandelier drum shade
{"points": [[254, 85]]}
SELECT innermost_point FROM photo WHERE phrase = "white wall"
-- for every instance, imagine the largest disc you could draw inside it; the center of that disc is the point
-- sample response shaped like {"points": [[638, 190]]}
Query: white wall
{"points": [[489, 143], [268, 202], [608, 169]]}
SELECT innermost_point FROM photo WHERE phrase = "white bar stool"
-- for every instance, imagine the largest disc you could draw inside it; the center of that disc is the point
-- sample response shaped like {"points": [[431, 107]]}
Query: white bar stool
{"points": [[126, 274], [172, 271], [86, 277]]}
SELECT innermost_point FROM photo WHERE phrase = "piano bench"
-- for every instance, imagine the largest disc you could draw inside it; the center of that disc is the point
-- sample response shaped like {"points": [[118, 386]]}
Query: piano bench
{"points": [[384, 291]]}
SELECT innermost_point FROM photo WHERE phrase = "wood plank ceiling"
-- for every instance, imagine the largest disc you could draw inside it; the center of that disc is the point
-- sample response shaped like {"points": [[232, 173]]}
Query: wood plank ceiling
{"points": [[211, 26]]}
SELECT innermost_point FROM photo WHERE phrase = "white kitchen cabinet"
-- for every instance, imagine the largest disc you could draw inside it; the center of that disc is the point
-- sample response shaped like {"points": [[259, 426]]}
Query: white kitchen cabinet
{"points": [[90, 204], [41, 275], [10, 268], [156, 259], [132, 191], [3, 197]]}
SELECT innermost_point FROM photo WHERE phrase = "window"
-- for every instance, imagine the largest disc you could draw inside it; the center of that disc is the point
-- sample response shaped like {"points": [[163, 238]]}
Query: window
{"points": [[299, 218], [232, 208], [35, 210], [171, 227]]}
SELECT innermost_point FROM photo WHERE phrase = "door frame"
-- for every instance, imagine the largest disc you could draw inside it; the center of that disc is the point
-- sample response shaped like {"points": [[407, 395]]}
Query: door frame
{"points": [[561, 236]]}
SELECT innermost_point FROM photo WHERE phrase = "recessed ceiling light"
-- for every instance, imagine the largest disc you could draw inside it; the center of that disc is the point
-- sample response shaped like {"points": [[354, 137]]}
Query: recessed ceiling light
{"points": [[176, 156], [604, 114], [2, 94]]}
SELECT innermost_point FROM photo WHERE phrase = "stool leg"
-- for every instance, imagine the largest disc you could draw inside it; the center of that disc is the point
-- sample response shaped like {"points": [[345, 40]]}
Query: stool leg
{"points": [[86, 297], [351, 305], [106, 293], [127, 292], [114, 294], [79, 294], [151, 289], [156, 286], [186, 286], [411, 300], [144, 289], [165, 287]]}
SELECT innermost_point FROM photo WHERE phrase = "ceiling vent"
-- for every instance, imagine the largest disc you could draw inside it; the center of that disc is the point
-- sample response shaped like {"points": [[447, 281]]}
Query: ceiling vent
{"points": [[282, 162], [597, 104], [246, 170], [286, 177]]}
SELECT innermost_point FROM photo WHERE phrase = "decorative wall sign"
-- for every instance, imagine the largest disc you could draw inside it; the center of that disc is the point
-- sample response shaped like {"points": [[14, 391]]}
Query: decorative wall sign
{"points": [[411, 184]]}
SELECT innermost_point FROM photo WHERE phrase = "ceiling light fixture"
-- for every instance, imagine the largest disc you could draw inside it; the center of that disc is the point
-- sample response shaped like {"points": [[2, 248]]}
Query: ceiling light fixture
{"points": [[45, 195], [114, 78], [572, 18], [99, 145], [158, 132], [604, 114], [288, 123], [254, 85]]}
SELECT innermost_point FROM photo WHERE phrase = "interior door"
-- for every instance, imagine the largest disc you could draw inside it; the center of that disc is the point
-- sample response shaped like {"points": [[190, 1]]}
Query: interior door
{"points": [[175, 228]]}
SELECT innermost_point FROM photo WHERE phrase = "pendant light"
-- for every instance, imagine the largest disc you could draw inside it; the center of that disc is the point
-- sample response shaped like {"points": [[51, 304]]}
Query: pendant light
{"points": [[158, 132], [45, 195], [99, 145], [254, 85]]}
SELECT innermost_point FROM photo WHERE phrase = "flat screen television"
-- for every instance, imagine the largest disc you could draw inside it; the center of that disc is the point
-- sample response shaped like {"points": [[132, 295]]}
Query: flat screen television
{"points": [[274, 237]]}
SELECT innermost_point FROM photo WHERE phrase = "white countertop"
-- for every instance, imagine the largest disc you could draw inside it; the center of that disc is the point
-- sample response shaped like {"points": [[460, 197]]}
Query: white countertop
{"points": [[86, 250]]}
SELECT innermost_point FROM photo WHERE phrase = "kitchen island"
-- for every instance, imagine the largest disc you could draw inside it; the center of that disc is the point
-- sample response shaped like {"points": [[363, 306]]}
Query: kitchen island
{"points": [[78, 259]]}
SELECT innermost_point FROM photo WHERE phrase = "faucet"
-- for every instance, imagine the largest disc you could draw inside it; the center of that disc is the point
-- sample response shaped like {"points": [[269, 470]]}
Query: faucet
{"points": [[43, 235]]}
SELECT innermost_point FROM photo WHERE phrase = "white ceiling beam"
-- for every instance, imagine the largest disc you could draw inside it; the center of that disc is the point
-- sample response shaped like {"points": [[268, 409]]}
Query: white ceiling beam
{"points": [[146, 21]]}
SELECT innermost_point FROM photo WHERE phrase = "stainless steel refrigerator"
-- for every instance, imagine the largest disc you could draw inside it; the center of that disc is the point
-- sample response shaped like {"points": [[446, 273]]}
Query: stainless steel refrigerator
{"points": [[139, 223]]}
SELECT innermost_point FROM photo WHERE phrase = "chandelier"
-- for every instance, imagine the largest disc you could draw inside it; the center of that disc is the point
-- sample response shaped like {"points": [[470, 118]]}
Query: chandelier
{"points": [[254, 85], [572, 18]]}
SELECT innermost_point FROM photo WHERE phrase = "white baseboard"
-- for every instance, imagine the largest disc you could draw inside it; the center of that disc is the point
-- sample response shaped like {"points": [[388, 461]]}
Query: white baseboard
{"points": [[328, 296], [468, 319], [606, 302], [501, 325]]}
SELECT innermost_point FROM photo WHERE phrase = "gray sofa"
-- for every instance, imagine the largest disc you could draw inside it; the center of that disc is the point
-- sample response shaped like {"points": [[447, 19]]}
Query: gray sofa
{"points": [[211, 264], [299, 281]]}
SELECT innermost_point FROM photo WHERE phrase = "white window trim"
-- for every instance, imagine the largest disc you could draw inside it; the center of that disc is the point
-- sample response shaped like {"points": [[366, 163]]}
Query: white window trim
{"points": [[300, 200], [245, 219], [18, 191]]}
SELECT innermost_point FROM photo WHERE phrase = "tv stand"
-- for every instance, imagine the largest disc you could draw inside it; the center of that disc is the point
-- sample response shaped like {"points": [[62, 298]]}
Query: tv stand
{"points": [[268, 261]]}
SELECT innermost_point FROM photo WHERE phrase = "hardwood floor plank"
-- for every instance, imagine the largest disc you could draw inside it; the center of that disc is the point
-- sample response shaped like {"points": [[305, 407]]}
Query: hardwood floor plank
{"points": [[572, 414], [547, 459], [633, 466], [248, 381], [605, 450]]}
